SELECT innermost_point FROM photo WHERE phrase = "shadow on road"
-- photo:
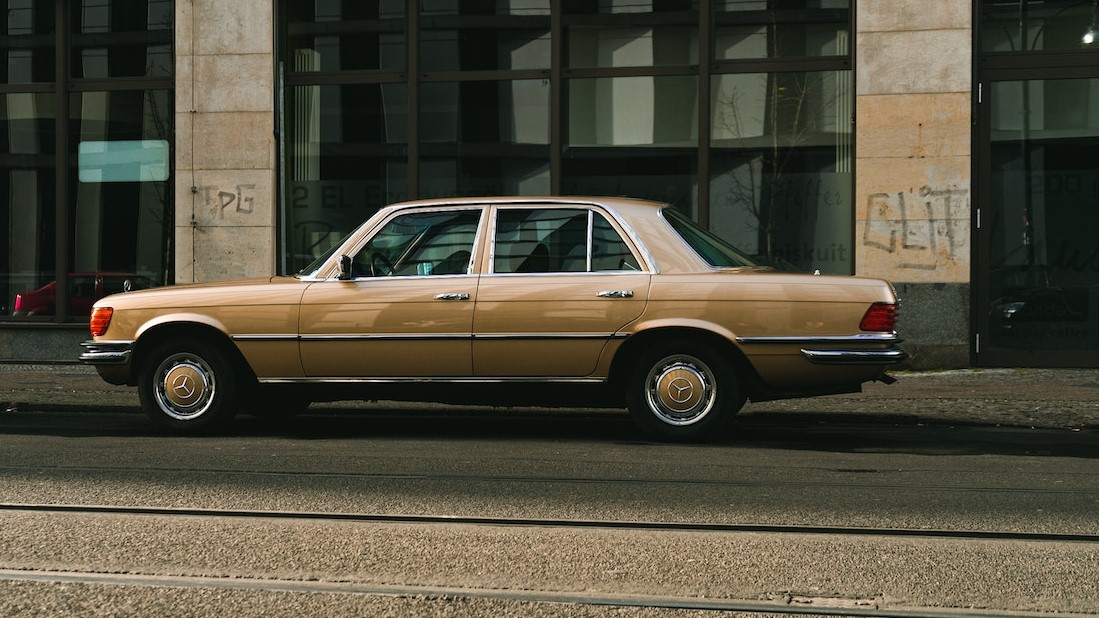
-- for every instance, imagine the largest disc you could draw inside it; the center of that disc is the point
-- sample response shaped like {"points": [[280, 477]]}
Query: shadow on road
{"points": [[804, 431]]}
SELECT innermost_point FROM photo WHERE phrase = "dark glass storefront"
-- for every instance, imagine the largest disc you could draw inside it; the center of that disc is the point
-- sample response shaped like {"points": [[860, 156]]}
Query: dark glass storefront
{"points": [[738, 112], [85, 153], [1038, 180]]}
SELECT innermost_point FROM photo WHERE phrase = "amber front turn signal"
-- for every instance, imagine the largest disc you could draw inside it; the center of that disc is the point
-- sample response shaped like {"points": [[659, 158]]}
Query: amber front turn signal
{"points": [[101, 319]]}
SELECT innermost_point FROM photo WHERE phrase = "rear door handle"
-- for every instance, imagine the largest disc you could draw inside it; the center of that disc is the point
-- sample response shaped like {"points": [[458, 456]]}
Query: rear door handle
{"points": [[452, 296], [615, 294]]}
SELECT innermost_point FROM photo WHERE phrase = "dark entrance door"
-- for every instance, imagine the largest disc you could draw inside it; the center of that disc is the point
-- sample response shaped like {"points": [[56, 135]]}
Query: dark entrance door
{"points": [[1037, 294]]}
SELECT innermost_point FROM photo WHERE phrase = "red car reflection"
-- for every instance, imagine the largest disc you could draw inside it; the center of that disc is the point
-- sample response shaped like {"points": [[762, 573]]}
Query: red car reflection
{"points": [[84, 289]]}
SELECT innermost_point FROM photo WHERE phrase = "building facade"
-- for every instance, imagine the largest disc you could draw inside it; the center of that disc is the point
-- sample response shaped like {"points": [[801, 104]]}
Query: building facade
{"points": [[149, 142]]}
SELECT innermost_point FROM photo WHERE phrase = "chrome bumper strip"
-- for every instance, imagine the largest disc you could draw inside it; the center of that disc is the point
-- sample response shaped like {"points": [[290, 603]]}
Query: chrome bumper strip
{"points": [[448, 380], [106, 352], [856, 357], [833, 339]]}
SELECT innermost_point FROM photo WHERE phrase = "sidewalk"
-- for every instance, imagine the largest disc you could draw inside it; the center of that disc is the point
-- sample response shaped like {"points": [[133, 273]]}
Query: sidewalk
{"points": [[1045, 398]]}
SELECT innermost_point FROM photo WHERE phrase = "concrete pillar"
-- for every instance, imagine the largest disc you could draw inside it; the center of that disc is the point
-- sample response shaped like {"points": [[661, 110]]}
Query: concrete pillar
{"points": [[914, 89], [225, 147]]}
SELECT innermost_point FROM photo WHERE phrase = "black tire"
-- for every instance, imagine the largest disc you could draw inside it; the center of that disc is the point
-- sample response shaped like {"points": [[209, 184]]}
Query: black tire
{"points": [[189, 386], [683, 392]]}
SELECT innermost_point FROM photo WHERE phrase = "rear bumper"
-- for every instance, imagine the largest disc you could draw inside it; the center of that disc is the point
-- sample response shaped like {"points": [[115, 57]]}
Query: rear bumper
{"points": [[861, 349], [888, 356]]}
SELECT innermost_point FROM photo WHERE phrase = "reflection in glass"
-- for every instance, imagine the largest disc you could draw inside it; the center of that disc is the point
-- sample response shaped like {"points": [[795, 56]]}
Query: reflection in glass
{"points": [[1044, 253], [122, 38], [664, 175], [767, 29], [27, 245], [120, 230], [781, 168], [633, 111], [494, 112], [345, 158], [26, 40], [472, 36], [1037, 25], [663, 45], [333, 35]]}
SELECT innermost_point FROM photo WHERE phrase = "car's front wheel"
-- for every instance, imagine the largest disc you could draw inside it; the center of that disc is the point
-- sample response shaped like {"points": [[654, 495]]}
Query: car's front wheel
{"points": [[684, 392], [188, 387]]}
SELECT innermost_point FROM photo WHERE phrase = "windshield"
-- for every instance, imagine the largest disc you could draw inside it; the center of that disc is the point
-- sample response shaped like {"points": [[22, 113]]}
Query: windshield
{"points": [[710, 247], [316, 264]]}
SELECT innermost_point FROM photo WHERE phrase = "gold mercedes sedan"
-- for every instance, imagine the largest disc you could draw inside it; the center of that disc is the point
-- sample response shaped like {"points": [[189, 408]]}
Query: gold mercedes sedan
{"points": [[562, 301]]}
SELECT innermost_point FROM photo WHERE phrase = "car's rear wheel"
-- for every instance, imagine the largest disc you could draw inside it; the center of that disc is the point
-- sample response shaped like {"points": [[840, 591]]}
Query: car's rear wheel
{"points": [[189, 386], [683, 392]]}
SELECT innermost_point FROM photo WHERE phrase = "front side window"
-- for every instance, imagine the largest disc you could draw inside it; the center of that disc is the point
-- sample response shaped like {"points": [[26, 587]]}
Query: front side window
{"points": [[560, 240], [420, 244]]}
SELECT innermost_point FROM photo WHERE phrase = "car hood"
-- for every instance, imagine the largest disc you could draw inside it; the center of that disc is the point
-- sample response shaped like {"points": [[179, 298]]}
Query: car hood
{"points": [[257, 291]]}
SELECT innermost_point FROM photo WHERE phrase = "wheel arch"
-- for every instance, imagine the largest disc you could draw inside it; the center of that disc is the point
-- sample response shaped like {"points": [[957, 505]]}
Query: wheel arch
{"points": [[631, 348], [152, 337]]}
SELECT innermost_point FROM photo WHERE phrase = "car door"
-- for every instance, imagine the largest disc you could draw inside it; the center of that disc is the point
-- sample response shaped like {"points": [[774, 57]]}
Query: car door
{"points": [[406, 308], [562, 283]]}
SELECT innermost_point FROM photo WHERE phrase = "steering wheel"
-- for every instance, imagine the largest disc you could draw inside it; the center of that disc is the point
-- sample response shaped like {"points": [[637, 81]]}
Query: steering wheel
{"points": [[380, 266]]}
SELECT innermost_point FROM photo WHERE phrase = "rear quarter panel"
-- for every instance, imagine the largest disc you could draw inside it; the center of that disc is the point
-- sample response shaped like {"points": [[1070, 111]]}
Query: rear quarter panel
{"points": [[737, 304]]}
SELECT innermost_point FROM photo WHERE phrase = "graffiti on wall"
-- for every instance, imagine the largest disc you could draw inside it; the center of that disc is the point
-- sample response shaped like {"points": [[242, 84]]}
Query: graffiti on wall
{"points": [[220, 202], [920, 230]]}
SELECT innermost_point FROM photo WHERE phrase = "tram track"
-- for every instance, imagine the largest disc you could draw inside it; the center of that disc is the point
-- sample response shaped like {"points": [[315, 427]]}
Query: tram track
{"points": [[526, 522], [788, 605]]}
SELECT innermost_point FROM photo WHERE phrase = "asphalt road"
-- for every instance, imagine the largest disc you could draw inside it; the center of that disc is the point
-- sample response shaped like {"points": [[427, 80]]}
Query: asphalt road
{"points": [[949, 493]]}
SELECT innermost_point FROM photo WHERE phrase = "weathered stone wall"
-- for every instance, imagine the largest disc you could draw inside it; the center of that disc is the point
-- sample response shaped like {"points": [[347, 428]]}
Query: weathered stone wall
{"points": [[912, 187], [225, 147]]}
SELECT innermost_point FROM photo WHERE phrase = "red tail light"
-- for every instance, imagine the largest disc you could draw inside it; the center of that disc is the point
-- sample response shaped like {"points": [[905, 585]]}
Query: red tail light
{"points": [[18, 303], [880, 317], [101, 319]]}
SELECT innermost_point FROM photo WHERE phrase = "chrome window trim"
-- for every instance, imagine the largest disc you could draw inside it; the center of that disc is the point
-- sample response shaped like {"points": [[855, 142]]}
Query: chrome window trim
{"points": [[431, 337], [365, 236], [414, 380], [646, 257], [859, 338]]}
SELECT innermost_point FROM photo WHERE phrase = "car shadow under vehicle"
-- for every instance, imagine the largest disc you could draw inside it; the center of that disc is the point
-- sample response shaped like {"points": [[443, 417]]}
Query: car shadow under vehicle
{"points": [[807, 431]]}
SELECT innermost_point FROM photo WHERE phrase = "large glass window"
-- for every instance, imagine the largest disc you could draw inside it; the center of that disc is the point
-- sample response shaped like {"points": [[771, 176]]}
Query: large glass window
{"points": [[344, 35], [27, 42], [768, 29], [121, 223], [780, 182], [741, 118], [103, 223], [1038, 25], [121, 38], [344, 157], [484, 36], [1044, 252]]}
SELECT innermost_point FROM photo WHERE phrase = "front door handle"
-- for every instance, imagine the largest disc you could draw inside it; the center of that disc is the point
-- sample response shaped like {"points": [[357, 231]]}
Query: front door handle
{"points": [[452, 296], [615, 294]]}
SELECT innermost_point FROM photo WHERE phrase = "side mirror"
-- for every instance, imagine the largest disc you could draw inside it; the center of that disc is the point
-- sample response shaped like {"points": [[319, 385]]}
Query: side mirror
{"points": [[344, 272]]}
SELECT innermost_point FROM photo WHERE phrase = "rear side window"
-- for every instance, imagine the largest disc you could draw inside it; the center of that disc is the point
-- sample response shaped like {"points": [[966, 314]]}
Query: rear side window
{"points": [[710, 247], [558, 240]]}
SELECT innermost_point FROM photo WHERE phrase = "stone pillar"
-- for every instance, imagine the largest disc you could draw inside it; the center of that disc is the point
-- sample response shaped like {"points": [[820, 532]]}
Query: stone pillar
{"points": [[225, 148], [913, 92]]}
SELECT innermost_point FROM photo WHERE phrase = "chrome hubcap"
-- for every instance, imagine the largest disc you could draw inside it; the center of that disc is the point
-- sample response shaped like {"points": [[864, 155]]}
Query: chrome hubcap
{"points": [[681, 390], [185, 386]]}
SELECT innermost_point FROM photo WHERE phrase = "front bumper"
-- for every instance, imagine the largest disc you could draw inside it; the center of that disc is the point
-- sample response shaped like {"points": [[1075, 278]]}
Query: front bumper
{"points": [[106, 352]]}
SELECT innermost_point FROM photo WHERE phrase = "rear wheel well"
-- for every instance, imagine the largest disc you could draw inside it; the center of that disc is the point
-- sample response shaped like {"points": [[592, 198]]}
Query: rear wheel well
{"points": [[632, 348]]}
